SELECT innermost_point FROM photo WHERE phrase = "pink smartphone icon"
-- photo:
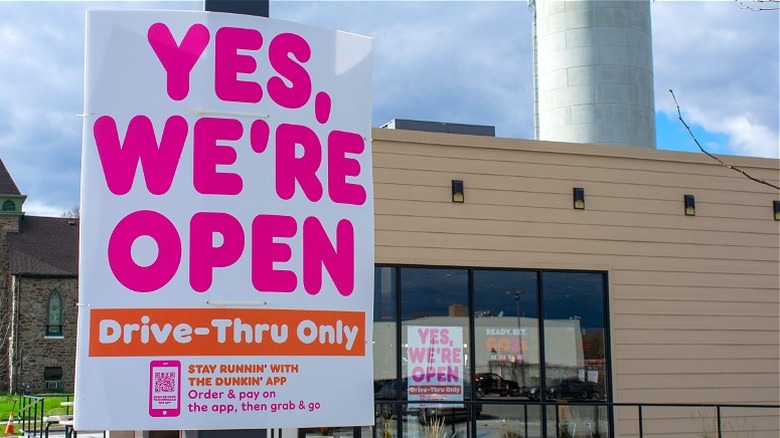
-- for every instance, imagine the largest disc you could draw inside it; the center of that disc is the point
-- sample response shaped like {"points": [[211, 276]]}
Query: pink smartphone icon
{"points": [[164, 388]]}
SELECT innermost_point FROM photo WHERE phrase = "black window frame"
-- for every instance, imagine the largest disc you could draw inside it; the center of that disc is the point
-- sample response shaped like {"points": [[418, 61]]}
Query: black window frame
{"points": [[398, 317]]}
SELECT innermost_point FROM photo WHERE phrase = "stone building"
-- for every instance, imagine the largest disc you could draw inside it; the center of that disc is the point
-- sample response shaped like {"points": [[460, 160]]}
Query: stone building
{"points": [[39, 292]]}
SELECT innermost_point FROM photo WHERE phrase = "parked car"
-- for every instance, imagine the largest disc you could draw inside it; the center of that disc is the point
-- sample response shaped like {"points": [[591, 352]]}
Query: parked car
{"points": [[532, 393], [492, 383], [573, 389], [566, 389]]}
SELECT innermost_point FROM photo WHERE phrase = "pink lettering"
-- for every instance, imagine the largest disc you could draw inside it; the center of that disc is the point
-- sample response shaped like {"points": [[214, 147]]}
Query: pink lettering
{"points": [[340, 167], [279, 54], [121, 161], [204, 256], [318, 252], [423, 332], [322, 107], [451, 355], [207, 154], [229, 63], [265, 252], [132, 275], [419, 354], [292, 167], [178, 60], [259, 134]]}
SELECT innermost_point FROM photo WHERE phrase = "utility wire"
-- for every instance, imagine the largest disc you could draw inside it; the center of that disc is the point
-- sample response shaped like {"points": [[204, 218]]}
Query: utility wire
{"points": [[729, 166]]}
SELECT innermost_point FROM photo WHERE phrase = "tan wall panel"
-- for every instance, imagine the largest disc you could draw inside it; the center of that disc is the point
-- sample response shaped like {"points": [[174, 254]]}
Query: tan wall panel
{"points": [[407, 143], [428, 249], [681, 381], [676, 293], [672, 365], [562, 212], [634, 234], [389, 253], [587, 168], [512, 190], [695, 322], [768, 280], [502, 165], [664, 257], [484, 188], [670, 337], [715, 349], [701, 308], [712, 395]]}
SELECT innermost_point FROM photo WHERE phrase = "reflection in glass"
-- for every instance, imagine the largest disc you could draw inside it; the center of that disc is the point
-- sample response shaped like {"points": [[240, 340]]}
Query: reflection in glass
{"points": [[444, 423], [426, 382], [574, 329], [506, 334], [571, 420], [574, 306], [510, 421], [434, 365]]}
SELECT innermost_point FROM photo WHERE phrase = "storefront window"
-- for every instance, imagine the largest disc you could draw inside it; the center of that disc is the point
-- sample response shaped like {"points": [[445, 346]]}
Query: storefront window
{"points": [[574, 349], [506, 329], [538, 337], [434, 365]]}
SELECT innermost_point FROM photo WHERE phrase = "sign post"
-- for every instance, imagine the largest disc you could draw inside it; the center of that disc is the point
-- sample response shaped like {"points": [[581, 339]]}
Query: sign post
{"points": [[226, 260], [248, 7]]}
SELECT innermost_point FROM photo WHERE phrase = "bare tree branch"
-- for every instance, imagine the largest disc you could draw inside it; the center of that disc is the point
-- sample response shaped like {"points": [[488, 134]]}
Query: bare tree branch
{"points": [[73, 213], [774, 5], [734, 168]]}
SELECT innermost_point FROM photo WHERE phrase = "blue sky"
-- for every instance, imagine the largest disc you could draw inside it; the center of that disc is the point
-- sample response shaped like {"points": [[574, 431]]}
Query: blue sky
{"points": [[461, 61]]}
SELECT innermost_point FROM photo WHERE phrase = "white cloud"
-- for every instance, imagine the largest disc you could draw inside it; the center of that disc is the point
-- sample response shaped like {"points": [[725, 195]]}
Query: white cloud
{"points": [[38, 208], [752, 139], [722, 63]]}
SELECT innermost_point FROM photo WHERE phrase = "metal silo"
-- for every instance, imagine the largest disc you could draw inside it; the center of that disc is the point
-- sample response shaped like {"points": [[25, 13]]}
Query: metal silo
{"points": [[593, 72]]}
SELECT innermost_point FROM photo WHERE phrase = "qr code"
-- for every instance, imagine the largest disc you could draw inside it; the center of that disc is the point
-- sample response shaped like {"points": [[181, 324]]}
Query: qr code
{"points": [[164, 381]]}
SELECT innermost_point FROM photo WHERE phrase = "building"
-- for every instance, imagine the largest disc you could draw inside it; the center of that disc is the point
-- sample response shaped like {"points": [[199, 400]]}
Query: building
{"points": [[649, 300], [39, 266]]}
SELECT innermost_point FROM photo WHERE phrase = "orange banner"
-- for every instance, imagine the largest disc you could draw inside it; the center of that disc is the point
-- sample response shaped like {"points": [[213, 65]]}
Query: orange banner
{"points": [[225, 332]]}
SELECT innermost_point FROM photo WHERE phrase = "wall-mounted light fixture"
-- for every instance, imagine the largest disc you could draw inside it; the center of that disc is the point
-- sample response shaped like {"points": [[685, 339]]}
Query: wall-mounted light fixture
{"points": [[457, 191], [690, 205], [578, 195], [776, 208]]}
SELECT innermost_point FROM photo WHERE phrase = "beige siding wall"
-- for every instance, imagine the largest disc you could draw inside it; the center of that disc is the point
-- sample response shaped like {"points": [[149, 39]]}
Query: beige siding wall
{"points": [[694, 301]]}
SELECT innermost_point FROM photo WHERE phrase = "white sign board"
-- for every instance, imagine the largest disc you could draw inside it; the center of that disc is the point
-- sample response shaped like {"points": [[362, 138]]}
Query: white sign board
{"points": [[435, 364], [227, 224]]}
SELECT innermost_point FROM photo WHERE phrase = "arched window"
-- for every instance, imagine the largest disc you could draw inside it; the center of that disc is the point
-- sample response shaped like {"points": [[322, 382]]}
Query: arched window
{"points": [[54, 314], [9, 205]]}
